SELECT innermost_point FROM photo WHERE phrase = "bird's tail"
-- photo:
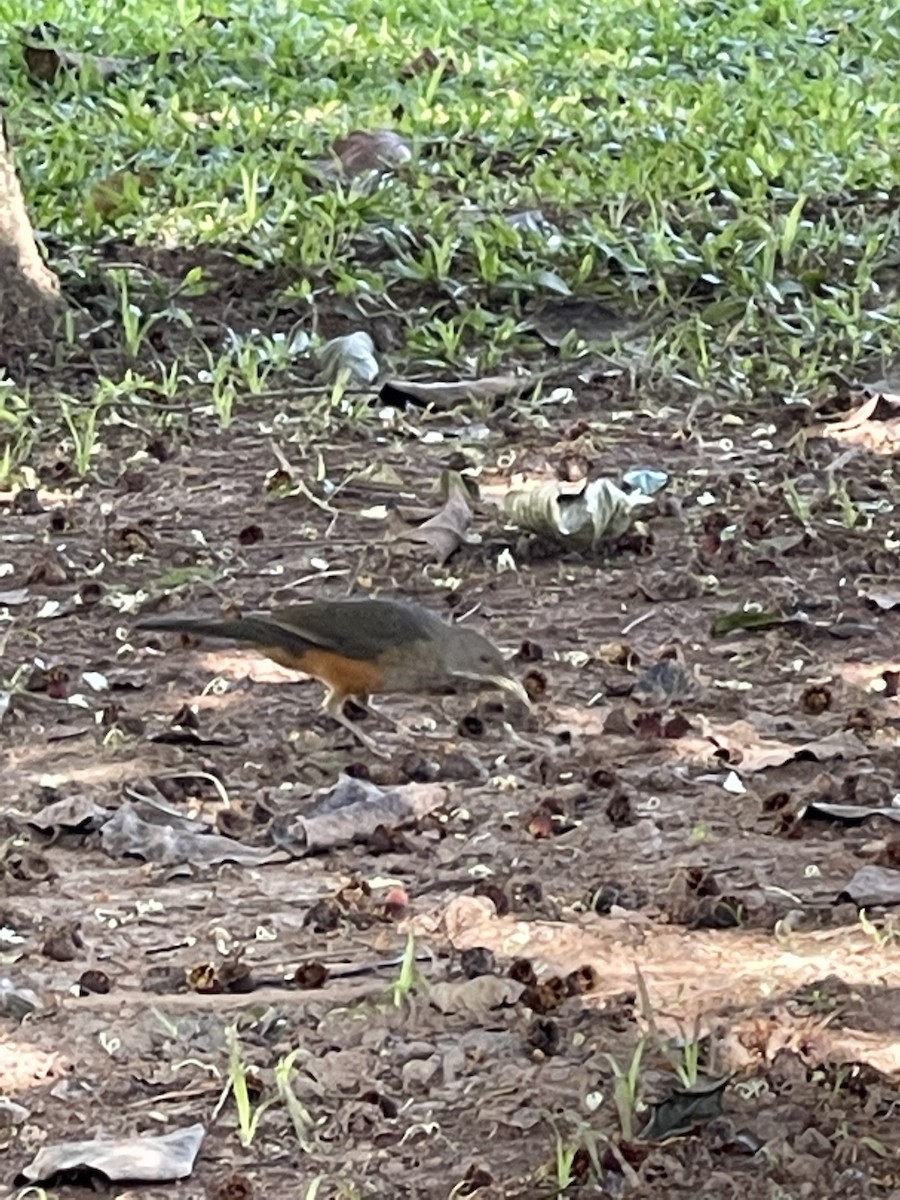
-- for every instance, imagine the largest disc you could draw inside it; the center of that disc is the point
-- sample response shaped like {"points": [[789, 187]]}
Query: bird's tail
{"points": [[252, 630]]}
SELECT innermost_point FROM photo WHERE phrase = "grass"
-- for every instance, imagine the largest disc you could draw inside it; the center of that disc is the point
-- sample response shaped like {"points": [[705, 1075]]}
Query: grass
{"points": [[407, 976], [688, 1054], [626, 1088], [248, 1116], [720, 168]]}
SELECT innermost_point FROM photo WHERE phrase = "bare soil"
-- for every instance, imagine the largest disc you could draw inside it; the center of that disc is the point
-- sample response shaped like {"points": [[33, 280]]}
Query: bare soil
{"points": [[641, 842]]}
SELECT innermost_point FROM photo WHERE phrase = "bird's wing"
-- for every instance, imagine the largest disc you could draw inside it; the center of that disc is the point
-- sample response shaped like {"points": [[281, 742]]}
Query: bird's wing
{"points": [[361, 629]]}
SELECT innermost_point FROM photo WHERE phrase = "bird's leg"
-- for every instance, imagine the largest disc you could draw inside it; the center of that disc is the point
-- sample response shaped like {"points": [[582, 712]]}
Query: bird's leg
{"points": [[366, 703], [334, 706]]}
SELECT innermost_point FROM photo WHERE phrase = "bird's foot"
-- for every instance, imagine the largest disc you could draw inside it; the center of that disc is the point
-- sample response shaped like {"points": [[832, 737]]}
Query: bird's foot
{"points": [[363, 738]]}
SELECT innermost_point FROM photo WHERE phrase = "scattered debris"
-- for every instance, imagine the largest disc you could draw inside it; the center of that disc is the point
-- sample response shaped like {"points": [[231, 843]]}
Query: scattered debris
{"points": [[585, 520], [445, 532], [581, 316], [352, 810], [148, 1159], [375, 150], [452, 394], [872, 885], [349, 360], [686, 1108], [673, 861], [46, 62]]}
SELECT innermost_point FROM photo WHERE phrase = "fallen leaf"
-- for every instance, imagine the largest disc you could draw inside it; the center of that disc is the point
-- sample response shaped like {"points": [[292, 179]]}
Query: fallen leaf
{"points": [[127, 834], [445, 532], [740, 746], [351, 810], [873, 425], [74, 814], [45, 63], [147, 1159], [872, 885], [350, 358], [444, 396], [584, 316], [582, 521], [371, 150], [745, 618], [475, 996], [14, 597], [684, 1109], [885, 597], [849, 814], [878, 1049]]}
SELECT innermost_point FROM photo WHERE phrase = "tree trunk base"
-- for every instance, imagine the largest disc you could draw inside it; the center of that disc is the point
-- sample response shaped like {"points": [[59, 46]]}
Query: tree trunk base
{"points": [[30, 303]]}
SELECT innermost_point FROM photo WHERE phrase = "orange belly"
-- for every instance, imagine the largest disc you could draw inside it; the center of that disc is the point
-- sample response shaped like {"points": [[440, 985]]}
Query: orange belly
{"points": [[346, 676]]}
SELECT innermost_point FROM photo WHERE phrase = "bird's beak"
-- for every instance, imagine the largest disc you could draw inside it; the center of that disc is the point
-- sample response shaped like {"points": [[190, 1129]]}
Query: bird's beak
{"points": [[513, 686], [506, 683]]}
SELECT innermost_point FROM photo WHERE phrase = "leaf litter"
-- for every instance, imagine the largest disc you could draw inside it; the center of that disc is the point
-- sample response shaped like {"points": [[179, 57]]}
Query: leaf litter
{"points": [[468, 835], [146, 1159]]}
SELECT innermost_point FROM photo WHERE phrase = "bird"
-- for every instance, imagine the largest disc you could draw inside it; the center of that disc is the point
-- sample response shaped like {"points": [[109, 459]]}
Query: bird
{"points": [[359, 648]]}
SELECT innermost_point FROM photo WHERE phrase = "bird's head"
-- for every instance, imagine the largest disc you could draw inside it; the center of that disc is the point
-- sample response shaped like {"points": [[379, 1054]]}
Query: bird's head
{"points": [[470, 657]]}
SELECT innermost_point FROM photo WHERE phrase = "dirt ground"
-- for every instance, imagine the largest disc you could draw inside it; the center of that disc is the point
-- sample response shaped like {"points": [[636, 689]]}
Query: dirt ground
{"points": [[632, 874]]}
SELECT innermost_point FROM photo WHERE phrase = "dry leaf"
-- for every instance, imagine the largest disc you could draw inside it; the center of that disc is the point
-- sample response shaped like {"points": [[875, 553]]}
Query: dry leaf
{"points": [[351, 357], [45, 63], [739, 745], [352, 809], [884, 597], [443, 396], [599, 513], [427, 63], [475, 996], [146, 1158], [375, 150], [873, 885], [445, 532], [874, 426], [127, 834], [584, 316], [14, 597]]}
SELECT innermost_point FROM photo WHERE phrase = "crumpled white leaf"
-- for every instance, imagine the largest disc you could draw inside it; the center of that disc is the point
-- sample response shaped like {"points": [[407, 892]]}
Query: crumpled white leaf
{"points": [[600, 512], [146, 1159], [351, 357]]}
